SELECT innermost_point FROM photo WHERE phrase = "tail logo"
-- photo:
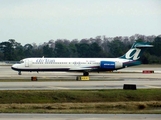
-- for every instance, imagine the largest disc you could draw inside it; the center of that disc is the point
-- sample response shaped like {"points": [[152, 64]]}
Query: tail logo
{"points": [[133, 54]]}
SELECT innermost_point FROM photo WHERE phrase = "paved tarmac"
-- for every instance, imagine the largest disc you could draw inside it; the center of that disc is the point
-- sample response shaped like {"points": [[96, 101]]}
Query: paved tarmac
{"points": [[128, 73], [80, 116], [75, 85], [103, 80]]}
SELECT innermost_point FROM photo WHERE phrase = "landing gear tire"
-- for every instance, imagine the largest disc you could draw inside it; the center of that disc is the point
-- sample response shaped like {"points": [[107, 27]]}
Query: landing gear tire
{"points": [[85, 74], [19, 73]]}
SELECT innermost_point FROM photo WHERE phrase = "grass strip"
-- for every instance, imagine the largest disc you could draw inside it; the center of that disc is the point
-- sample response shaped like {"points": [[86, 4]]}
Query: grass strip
{"points": [[74, 96], [81, 101], [147, 107]]}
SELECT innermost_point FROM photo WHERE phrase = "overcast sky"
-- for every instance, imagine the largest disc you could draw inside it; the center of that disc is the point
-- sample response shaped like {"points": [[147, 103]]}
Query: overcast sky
{"points": [[38, 21]]}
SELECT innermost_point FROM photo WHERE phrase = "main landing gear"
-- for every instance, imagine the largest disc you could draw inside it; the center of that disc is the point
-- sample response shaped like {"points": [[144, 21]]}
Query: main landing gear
{"points": [[19, 72], [85, 73]]}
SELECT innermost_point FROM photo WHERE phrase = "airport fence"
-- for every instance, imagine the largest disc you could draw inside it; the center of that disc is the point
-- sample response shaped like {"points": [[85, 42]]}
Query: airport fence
{"points": [[8, 62]]}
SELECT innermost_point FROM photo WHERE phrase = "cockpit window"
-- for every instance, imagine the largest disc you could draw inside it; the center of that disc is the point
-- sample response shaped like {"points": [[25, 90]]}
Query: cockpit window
{"points": [[21, 61]]}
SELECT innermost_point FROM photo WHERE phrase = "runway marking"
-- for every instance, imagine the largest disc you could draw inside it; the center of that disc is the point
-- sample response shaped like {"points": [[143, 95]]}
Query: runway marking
{"points": [[152, 86], [59, 88]]}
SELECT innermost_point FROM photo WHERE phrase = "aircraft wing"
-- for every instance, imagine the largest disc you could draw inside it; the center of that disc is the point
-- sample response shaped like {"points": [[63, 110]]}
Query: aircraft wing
{"points": [[81, 68]]}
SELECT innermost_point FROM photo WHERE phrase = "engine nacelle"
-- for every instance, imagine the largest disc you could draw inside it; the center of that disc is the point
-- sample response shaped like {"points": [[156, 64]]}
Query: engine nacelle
{"points": [[110, 65]]}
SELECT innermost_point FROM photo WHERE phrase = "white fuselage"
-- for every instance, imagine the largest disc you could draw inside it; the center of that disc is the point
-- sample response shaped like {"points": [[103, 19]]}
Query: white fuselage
{"points": [[68, 64]]}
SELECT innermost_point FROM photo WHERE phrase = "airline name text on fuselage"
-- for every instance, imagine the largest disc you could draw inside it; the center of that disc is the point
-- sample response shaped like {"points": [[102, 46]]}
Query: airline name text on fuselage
{"points": [[45, 61]]}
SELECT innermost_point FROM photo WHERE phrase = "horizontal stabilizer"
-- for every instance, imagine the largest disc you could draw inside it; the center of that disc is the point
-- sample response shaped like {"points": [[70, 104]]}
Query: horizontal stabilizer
{"points": [[143, 46]]}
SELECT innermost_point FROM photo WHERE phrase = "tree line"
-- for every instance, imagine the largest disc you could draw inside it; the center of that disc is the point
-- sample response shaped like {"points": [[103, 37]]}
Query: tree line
{"points": [[97, 47]]}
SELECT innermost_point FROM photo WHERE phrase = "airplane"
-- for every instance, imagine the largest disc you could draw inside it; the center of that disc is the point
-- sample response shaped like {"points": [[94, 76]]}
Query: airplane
{"points": [[85, 65]]}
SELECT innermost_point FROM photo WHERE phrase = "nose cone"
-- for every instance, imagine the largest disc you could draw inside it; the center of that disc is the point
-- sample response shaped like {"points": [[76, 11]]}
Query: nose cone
{"points": [[14, 67]]}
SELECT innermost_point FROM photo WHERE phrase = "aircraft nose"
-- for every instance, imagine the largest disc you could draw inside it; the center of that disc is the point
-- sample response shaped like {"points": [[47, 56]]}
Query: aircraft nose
{"points": [[14, 67]]}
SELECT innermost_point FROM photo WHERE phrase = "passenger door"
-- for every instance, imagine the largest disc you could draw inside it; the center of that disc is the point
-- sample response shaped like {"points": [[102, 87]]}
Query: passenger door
{"points": [[26, 63]]}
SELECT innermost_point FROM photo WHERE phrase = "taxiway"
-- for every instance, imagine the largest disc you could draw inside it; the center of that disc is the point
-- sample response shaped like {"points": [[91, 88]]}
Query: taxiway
{"points": [[105, 80], [80, 116]]}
